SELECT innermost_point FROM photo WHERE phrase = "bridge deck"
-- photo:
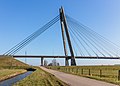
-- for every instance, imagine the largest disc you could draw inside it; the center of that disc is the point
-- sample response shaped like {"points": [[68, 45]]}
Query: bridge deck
{"points": [[77, 57]]}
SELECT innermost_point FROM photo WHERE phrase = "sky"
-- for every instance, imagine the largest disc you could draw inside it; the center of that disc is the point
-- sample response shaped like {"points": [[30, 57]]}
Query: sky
{"points": [[20, 18]]}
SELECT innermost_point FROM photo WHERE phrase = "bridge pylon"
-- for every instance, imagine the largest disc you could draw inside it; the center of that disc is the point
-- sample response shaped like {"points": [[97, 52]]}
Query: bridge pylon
{"points": [[64, 27]]}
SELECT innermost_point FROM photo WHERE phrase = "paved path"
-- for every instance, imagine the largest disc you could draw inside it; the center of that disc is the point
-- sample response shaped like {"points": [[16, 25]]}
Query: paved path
{"points": [[74, 80]]}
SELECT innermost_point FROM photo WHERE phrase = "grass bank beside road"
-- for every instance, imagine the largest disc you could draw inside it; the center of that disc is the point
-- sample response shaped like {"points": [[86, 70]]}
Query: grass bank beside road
{"points": [[104, 73], [40, 78]]}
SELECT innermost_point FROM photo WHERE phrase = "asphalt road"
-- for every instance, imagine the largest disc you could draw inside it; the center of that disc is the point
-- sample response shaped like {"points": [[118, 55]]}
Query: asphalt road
{"points": [[74, 80]]}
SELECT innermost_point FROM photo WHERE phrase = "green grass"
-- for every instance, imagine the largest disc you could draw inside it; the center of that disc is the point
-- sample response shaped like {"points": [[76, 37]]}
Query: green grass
{"points": [[10, 67], [104, 73], [10, 61], [7, 73], [40, 78]]}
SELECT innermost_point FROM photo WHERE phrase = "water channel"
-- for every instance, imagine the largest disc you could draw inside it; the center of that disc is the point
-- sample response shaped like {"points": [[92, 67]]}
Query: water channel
{"points": [[11, 81]]}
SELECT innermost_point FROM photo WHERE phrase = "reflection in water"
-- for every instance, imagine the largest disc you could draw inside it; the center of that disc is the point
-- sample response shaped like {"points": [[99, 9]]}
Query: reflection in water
{"points": [[11, 81]]}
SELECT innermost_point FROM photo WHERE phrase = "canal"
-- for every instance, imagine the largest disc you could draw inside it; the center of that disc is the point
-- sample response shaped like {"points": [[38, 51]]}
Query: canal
{"points": [[13, 80]]}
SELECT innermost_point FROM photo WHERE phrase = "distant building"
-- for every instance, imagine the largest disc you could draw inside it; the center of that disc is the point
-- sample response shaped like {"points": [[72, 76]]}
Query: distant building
{"points": [[45, 62], [54, 63]]}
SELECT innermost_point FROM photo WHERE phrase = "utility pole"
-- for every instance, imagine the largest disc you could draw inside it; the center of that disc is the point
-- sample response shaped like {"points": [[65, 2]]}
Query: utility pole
{"points": [[64, 26]]}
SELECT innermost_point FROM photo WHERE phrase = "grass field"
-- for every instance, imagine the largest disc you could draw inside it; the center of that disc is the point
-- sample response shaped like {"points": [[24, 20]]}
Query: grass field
{"points": [[104, 73], [40, 78]]}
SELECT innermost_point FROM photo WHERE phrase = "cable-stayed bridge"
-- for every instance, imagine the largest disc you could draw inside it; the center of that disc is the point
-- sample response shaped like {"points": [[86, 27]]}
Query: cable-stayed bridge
{"points": [[76, 38]]}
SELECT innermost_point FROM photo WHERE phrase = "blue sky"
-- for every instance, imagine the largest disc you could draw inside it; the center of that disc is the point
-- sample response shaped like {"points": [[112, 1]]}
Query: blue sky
{"points": [[20, 18]]}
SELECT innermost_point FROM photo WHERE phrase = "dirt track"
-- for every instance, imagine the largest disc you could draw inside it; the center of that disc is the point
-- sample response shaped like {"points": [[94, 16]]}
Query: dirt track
{"points": [[74, 80]]}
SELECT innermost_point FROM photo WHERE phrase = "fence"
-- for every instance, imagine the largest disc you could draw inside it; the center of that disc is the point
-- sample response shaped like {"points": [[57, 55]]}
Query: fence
{"points": [[100, 73]]}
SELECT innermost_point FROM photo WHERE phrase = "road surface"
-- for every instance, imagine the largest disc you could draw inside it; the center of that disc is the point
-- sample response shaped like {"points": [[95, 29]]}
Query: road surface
{"points": [[74, 80]]}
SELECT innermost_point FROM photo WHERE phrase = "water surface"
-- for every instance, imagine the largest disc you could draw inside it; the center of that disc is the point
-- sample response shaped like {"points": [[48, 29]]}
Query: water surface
{"points": [[11, 81]]}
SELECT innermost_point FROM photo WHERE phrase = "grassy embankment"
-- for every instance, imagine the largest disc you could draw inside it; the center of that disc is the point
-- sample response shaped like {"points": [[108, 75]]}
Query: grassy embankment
{"points": [[103, 73], [40, 78], [7, 62], [10, 67]]}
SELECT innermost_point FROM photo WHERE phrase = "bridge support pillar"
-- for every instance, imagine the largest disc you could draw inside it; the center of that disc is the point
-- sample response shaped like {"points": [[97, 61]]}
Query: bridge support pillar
{"points": [[66, 62], [42, 59], [65, 27]]}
